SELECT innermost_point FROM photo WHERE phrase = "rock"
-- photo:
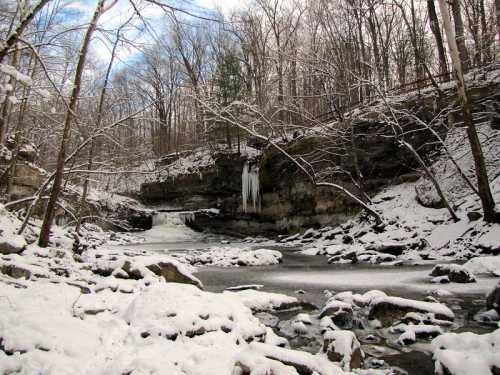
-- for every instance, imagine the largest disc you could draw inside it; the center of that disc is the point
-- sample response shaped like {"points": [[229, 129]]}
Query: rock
{"points": [[391, 248], [474, 215], [440, 280], [132, 272], [388, 310], [13, 244], [341, 313], [343, 347], [493, 299], [454, 272], [347, 239], [244, 287], [346, 256], [174, 273], [15, 271]]}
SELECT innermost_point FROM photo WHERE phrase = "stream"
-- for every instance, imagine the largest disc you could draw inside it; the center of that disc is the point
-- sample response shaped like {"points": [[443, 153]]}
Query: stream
{"points": [[307, 277]]}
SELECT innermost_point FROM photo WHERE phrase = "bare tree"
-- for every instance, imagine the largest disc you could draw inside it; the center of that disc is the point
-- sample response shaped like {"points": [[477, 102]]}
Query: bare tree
{"points": [[70, 114], [490, 215]]}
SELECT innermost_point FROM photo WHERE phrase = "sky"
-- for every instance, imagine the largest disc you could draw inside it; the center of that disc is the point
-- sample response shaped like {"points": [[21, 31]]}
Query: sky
{"points": [[81, 11]]}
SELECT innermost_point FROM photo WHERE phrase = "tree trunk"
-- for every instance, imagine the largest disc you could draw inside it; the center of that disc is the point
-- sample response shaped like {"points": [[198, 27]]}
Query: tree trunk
{"points": [[43, 240], [434, 23], [460, 34], [480, 167]]}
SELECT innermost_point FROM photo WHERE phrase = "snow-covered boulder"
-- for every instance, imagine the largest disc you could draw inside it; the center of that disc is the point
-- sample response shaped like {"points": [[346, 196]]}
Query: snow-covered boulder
{"points": [[259, 301], [411, 332], [12, 244], [175, 272], [387, 309], [455, 273], [489, 265], [172, 310], [235, 257], [340, 312], [343, 347], [467, 353], [265, 359]]}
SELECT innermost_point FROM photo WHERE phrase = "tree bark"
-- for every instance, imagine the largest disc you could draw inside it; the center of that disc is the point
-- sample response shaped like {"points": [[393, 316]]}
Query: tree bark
{"points": [[434, 24], [485, 195], [43, 240], [460, 34]]}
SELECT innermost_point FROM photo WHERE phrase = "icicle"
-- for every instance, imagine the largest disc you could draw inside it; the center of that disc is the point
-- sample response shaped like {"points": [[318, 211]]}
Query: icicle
{"points": [[250, 186]]}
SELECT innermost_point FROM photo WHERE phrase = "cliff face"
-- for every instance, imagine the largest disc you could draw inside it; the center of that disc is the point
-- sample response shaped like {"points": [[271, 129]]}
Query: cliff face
{"points": [[289, 200]]}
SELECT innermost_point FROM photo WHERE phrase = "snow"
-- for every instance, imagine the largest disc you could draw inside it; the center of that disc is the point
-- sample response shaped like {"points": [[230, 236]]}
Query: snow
{"points": [[432, 307], [466, 353], [444, 234], [489, 265], [14, 73], [344, 343], [234, 257], [264, 301], [491, 239]]}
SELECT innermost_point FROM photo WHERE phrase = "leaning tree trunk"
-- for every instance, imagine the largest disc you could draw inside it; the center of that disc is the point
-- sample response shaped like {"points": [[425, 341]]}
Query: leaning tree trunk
{"points": [[43, 240], [477, 153]]}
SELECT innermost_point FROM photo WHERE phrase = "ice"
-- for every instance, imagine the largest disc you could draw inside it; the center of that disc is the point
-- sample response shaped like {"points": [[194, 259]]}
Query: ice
{"points": [[250, 186]]}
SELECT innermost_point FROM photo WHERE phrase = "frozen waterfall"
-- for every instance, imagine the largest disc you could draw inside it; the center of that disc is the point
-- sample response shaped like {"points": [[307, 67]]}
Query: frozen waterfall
{"points": [[250, 186]]}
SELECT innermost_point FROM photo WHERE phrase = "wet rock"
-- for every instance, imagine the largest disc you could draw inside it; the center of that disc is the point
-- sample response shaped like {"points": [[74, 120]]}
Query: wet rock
{"points": [[343, 347], [455, 273], [493, 299], [395, 249], [347, 240], [474, 215], [340, 313]]}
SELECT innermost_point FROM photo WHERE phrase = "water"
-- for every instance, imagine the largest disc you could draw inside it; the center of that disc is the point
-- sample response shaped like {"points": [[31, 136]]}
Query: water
{"points": [[313, 274]]}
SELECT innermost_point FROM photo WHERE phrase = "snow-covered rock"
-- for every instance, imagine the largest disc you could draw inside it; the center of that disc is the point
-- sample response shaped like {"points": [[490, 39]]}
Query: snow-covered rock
{"points": [[411, 332], [387, 309], [235, 257], [467, 353], [455, 273], [489, 265], [343, 347], [265, 301]]}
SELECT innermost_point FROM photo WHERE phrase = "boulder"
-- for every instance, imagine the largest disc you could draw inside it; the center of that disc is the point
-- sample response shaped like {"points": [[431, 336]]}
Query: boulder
{"points": [[454, 272], [341, 313], [493, 299], [15, 271], [12, 245], [388, 310], [343, 347], [174, 272]]}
